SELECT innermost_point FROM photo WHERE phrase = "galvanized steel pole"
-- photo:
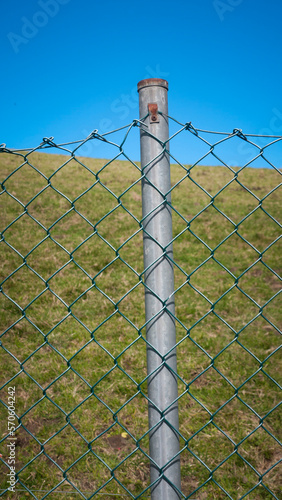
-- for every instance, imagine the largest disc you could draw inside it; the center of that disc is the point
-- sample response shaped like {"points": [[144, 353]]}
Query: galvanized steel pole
{"points": [[159, 287]]}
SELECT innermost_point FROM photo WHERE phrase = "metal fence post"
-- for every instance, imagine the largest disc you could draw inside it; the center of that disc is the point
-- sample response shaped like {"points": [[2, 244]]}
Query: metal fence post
{"points": [[159, 287]]}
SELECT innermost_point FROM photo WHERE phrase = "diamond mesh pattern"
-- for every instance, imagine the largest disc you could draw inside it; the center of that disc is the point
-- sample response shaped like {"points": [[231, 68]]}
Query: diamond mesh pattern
{"points": [[73, 341]]}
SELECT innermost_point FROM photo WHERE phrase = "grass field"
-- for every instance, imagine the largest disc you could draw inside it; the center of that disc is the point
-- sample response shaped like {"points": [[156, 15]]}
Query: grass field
{"points": [[72, 337]]}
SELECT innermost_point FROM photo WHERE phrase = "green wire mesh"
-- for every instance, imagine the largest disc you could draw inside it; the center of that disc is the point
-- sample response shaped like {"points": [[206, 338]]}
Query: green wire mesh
{"points": [[73, 330]]}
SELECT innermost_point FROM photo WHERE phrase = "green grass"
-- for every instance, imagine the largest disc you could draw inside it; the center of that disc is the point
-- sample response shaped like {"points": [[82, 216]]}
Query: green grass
{"points": [[63, 333]]}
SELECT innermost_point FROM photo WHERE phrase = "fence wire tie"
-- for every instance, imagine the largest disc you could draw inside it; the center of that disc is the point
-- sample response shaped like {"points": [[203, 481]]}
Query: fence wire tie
{"points": [[142, 122], [138, 123], [95, 135], [49, 141], [239, 133], [189, 126], [3, 148], [92, 135]]}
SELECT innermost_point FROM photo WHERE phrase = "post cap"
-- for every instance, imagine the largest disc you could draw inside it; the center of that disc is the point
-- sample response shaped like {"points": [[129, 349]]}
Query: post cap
{"points": [[152, 82]]}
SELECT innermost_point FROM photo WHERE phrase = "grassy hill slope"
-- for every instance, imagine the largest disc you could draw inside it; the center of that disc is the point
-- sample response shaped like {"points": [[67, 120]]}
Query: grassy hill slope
{"points": [[72, 327]]}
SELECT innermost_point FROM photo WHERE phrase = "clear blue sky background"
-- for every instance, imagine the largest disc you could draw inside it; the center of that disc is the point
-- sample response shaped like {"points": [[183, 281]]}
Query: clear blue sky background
{"points": [[75, 67]]}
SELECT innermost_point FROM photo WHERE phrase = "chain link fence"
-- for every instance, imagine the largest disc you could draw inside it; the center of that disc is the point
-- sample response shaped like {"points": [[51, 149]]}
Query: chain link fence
{"points": [[75, 383]]}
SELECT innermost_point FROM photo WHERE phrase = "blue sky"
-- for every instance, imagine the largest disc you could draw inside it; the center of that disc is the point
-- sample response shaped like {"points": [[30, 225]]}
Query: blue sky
{"points": [[71, 66]]}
